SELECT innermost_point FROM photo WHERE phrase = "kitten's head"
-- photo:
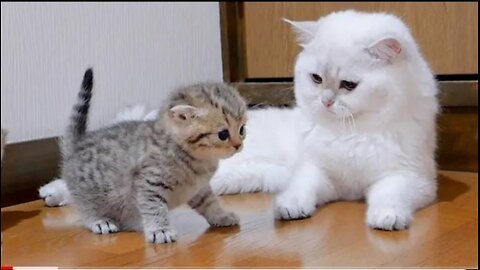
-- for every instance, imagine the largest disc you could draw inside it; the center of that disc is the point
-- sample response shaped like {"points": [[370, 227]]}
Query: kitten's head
{"points": [[358, 65], [207, 120]]}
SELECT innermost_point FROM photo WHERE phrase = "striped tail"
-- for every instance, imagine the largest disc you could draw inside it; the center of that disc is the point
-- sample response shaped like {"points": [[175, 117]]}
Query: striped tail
{"points": [[78, 119]]}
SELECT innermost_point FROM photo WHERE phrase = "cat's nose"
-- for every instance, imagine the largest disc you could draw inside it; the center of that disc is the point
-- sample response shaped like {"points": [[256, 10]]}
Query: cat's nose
{"points": [[237, 146], [327, 103]]}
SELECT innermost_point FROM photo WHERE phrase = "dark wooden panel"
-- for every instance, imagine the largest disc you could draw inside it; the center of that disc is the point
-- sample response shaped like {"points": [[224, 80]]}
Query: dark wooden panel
{"points": [[232, 41], [26, 166], [447, 33], [458, 139]]}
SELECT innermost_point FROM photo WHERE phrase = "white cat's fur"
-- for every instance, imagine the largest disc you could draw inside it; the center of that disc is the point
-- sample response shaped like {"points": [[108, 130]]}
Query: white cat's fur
{"points": [[376, 142]]}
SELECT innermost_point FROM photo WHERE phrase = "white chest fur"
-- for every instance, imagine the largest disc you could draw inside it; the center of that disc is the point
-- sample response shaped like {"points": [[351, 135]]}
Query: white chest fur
{"points": [[353, 161]]}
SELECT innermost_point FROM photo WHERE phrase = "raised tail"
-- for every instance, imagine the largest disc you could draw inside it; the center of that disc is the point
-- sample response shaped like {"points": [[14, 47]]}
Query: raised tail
{"points": [[78, 119]]}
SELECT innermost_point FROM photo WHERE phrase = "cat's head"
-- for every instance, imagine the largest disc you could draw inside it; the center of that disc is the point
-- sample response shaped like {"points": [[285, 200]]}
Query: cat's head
{"points": [[358, 65], [207, 120]]}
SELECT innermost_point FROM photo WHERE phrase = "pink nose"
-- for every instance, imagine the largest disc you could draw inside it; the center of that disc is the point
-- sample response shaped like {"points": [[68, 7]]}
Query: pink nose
{"points": [[327, 103]]}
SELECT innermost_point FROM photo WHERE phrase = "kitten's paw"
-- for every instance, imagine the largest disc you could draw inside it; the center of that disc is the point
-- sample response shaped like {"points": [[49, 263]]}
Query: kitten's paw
{"points": [[103, 227], [225, 219], [55, 193], [289, 207], [166, 235], [388, 218]]}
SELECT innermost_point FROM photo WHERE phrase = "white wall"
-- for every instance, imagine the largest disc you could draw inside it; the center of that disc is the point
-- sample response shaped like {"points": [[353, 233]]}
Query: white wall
{"points": [[139, 51]]}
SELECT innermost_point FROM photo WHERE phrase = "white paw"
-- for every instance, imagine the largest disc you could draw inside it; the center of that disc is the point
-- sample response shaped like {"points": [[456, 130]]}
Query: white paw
{"points": [[55, 193], [291, 206], [388, 218], [226, 219], [103, 227], [166, 235]]}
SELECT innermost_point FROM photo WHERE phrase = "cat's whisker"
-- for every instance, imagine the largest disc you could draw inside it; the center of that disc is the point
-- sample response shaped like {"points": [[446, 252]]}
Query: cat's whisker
{"points": [[350, 123], [343, 119], [353, 121]]}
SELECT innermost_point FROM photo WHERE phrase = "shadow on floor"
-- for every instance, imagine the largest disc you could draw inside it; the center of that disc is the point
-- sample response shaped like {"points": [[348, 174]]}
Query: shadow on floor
{"points": [[449, 189], [12, 218]]}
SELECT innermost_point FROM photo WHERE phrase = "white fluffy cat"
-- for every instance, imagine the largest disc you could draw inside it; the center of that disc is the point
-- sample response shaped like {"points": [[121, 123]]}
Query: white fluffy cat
{"points": [[371, 99], [364, 125]]}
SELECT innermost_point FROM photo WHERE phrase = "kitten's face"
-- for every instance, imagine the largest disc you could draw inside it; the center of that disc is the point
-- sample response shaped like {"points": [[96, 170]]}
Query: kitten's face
{"points": [[208, 133]]}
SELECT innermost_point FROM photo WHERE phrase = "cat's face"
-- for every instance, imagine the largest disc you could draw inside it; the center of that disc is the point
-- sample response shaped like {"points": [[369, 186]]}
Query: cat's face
{"points": [[337, 84], [209, 132], [346, 72]]}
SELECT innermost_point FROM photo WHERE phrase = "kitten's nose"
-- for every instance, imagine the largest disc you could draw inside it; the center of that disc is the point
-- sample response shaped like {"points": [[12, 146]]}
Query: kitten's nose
{"points": [[237, 146]]}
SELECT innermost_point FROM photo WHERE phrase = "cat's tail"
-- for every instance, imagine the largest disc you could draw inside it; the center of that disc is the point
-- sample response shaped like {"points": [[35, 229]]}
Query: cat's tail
{"points": [[78, 119]]}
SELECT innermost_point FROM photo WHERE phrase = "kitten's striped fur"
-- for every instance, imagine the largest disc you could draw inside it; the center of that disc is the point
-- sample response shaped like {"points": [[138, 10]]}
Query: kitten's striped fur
{"points": [[126, 177]]}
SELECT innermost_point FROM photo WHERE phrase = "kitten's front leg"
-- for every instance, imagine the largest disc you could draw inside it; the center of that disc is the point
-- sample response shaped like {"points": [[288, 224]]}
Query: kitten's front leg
{"points": [[156, 225], [309, 186], [207, 205], [393, 200], [154, 211]]}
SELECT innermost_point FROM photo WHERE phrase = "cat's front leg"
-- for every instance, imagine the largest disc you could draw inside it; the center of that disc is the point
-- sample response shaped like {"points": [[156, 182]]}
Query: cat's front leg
{"points": [[309, 186], [207, 205], [393, 200]]}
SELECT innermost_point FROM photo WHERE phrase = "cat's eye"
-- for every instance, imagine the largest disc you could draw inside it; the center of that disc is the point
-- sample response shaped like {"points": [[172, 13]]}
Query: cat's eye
{"points": [[316, 78], [242, 131], [347, 85], [224, 135]]}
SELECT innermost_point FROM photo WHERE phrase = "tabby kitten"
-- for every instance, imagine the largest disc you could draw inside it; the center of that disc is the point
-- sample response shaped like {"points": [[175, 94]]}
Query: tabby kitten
{"points": [[128, 176]]}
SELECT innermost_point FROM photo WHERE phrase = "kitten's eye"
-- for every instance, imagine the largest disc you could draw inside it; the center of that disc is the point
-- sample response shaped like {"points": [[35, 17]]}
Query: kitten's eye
{"points": [[316, 78], [349, 86], [224, 135], [242, 131]]}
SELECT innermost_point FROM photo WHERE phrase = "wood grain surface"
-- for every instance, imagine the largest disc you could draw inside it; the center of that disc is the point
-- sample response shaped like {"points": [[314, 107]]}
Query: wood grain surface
{"points": [[444, 234]]}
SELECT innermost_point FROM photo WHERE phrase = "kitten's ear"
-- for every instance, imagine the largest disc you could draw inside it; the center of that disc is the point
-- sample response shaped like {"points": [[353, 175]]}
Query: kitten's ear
{"points": [[185, 112], [386, 49], [305, 30]]}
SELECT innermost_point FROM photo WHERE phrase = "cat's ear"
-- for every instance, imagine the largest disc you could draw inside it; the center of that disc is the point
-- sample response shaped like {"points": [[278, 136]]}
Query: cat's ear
{"points": [[185, 112], [385, 49], [305, 30]]}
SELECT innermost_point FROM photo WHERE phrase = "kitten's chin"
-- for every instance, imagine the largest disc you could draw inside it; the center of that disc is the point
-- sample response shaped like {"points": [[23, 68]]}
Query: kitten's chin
{"points": [[212, 155]]}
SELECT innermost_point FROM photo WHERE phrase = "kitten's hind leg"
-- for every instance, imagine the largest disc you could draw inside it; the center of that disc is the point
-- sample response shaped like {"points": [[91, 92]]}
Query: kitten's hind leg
{"points": [[55, 193], [207, 205]]}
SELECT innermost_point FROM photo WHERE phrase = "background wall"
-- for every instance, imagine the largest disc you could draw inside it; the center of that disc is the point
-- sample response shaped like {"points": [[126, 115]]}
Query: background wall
{"points": [[139, 52]]}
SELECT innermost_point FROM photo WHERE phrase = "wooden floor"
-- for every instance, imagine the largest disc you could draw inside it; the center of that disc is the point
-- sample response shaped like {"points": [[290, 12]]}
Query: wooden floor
{"points": [[442, 235]]}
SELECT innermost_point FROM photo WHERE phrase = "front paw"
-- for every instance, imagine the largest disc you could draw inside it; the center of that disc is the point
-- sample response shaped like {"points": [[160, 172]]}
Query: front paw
{"points": [[388, 218], [290, 207], [162, 236], [224, 219], [103, 227]]}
